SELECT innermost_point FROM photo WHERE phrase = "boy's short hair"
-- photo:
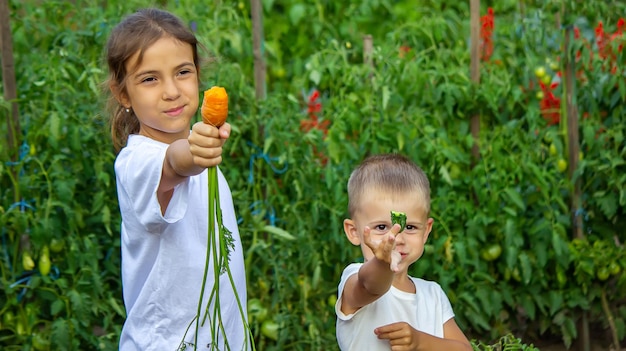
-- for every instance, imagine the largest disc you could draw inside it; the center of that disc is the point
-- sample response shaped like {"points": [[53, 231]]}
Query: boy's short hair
{"points": [[387, 172]]}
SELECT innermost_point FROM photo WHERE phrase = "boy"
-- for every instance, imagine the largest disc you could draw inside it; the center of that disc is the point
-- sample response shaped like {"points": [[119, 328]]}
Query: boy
{"points": [[379, 308]]}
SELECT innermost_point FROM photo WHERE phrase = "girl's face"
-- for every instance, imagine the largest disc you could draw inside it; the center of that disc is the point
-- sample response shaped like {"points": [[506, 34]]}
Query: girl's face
{"points": [[163, 89], [374, 211]]}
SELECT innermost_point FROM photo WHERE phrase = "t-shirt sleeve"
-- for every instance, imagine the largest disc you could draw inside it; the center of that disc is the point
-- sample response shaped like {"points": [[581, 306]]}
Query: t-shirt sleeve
{"points": [[139, 173], [446, 308], [347, 272]]}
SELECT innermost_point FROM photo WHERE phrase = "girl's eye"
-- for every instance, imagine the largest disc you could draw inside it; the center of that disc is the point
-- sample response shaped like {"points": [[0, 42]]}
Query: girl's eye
{"points": [[184, 72], [148, 80]]}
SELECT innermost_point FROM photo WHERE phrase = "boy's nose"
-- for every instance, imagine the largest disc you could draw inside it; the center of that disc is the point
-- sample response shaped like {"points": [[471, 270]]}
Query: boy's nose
{"points": [[400, 238]]}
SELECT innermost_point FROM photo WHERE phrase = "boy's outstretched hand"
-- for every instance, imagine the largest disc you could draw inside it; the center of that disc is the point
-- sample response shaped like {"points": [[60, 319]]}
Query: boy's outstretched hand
{"points": [[383, 248]]}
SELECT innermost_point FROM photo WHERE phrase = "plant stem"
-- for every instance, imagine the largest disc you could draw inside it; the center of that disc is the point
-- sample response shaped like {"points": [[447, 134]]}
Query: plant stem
{"points": [[610, 320], [211, 176], [218, 253]]}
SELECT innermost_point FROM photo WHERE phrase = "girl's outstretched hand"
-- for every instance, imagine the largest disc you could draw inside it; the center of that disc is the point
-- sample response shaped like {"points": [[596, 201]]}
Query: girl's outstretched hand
{"points": [[205, 143], [382, 248]]}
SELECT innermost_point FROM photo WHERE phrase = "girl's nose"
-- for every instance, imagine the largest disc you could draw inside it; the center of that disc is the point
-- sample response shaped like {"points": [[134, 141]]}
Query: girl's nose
{"points": [[170, 90]]}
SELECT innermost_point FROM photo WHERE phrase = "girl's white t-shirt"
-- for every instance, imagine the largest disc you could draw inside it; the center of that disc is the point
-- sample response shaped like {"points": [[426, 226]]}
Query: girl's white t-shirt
{"points": [[426, 310], [163, 256]]}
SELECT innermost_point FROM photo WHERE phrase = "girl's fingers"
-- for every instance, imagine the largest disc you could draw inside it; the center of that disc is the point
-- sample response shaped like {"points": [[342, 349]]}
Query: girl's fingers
{"points": [[224, 131], [206, 130], [205, 152]]}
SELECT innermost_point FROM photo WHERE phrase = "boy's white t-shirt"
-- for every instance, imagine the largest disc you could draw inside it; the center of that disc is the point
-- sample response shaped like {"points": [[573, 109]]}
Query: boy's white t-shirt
{"points": [[426, 310], [163, 256]]}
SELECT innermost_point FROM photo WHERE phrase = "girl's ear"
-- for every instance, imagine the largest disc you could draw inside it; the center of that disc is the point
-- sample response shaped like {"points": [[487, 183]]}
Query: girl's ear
{"points": [[351, 231], [120, 96]]}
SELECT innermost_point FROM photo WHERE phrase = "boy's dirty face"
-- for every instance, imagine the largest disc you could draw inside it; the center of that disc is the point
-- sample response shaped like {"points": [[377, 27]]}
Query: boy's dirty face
{"points": [[374, 211], [162, 89]]}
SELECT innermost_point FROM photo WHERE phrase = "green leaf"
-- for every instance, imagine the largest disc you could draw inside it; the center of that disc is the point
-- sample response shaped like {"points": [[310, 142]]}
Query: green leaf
{"points": [[556, 301], [296, 13], [526, 267], [116, 307], [267, 5], [568, 329], [56, 307], [515, 197], [386, 95], [60, 334], [315, 76], [279, 232], [477, 314], [528, 304], [608, 204], [443, 171]]}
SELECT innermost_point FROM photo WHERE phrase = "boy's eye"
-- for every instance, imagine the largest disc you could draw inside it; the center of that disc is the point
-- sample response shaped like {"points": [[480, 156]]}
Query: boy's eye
{"points": [[410, 228], [380, 228]]}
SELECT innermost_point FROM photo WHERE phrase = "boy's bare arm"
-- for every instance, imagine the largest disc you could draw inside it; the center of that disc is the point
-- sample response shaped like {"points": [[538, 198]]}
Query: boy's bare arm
{"points": [[374, 277], [402, 337]]}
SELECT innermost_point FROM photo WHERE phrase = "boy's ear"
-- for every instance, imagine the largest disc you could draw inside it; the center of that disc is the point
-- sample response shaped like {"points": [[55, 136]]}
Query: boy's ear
{"points": [[429, 227], [120, 96], [351, 231]]}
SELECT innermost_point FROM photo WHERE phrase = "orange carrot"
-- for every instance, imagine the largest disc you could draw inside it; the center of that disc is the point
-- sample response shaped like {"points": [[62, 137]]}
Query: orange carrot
{"points": [[214, 108]]}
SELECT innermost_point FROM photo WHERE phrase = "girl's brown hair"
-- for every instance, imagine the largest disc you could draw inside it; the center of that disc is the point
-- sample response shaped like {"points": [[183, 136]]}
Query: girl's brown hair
{"points": [[134, 34]]}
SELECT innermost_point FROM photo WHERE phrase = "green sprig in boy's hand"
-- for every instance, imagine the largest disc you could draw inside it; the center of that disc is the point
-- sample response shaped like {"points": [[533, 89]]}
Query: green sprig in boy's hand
{"points": [[397, 218]]}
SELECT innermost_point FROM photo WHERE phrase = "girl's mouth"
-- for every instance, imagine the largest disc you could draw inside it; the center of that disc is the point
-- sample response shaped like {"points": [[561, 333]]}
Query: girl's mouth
{"points": [[175, 111]]}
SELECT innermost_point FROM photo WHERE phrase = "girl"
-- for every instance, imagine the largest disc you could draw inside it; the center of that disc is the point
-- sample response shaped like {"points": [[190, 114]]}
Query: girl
{"points": [[162, 189]]}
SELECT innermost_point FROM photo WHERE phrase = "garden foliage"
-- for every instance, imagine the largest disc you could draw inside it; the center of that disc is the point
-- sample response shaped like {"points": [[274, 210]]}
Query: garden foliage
{"points": [[502, 245]]}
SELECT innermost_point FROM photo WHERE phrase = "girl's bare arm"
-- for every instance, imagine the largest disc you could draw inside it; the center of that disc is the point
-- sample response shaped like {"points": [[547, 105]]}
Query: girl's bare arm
{"points": [[188, 157]]}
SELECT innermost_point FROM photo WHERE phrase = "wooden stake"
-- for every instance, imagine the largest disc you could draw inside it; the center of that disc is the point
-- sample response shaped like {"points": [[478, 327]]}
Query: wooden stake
{"points": [[8, 81], [368, 48], [475, 70], [572, 137], [573, 148], [257, 49]]}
